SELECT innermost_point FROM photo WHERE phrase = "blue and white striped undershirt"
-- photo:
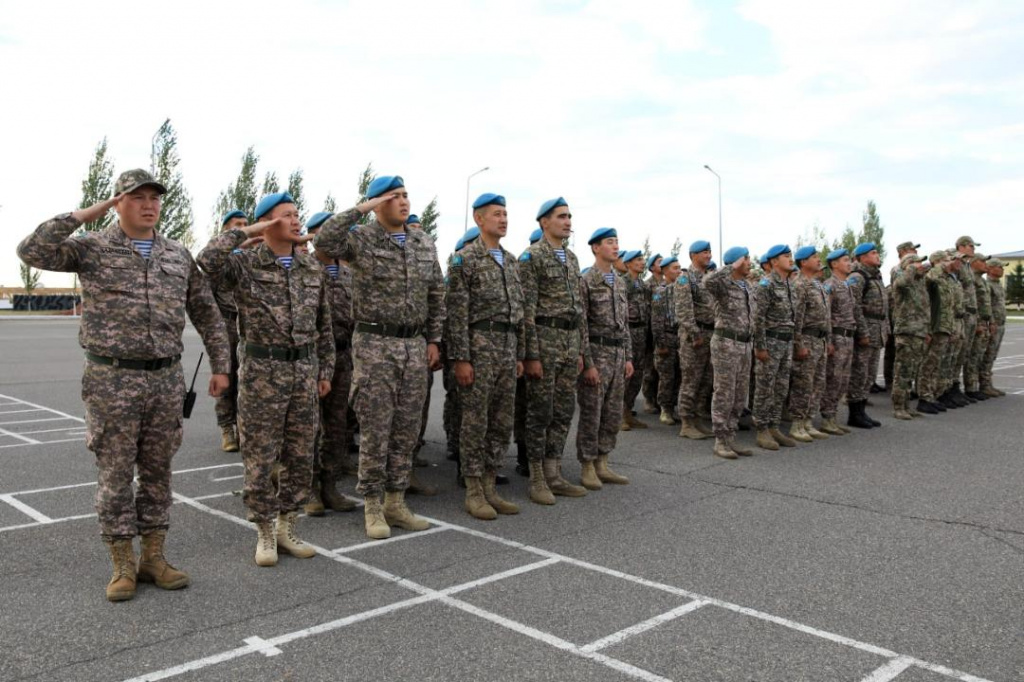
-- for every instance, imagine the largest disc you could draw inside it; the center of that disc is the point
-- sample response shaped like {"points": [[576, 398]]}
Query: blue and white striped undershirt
{"points": [[143, 246], [560, 254], [285, 261], [610, 278], [333, 271], [499, 256], [399, 238]]}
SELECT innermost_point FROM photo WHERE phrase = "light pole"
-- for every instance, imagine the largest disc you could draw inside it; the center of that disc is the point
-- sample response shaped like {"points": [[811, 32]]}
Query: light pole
{"points": [[465, 225], [719, 208]]}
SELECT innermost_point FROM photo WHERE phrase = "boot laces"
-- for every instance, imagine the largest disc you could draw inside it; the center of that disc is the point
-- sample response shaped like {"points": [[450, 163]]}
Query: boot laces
{"points": [[266, 536], [124, 556]]}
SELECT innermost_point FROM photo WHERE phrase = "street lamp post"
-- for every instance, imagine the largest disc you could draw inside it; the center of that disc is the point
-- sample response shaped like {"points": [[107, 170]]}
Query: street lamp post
{"points": [[719, 208], [465, 225]]}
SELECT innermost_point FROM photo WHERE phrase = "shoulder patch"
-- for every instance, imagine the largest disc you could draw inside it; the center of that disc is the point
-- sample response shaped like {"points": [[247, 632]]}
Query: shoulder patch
{"points": [[656, 297], [827, 287], [764, 282], [524, 257], [683, 280], [456, 261]]}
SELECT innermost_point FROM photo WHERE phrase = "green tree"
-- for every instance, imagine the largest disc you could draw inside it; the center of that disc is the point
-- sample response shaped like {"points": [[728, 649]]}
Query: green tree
{"points": [[815, 236], [240, 194], [176, 216], [270, 184], [98, 186], [29, 280], [873, 230], [677, 246], [428, 218], [295, 189], [330, 205], [365, 178], [1015, 286], [645, 250], [848, 240]]}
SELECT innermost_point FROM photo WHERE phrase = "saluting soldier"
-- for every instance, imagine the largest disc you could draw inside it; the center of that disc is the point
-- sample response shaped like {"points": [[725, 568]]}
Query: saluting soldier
{"points": [[226, 406], [941, 285], [911, 317], [972, 387]]}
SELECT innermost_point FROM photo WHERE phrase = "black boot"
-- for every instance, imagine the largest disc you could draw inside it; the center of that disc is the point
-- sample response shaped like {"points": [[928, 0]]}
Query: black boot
{"points": [[500, 479], [857, 418], [522, 464], [958, 396], [926, 407], [977, 395], [874, 422], [946, 400]]}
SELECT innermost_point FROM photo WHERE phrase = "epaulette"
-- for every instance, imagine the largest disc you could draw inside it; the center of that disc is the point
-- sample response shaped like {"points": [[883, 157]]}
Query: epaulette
{"points": [[524, 257], [764, 282], [456, 261], [682, 280]]}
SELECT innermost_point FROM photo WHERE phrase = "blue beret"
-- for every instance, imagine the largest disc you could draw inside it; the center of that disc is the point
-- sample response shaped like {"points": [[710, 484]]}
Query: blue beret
{"points": [[270, 201], [412, 219], [602, 233], [622, 253], [630, 255], [584, 270], [549, 206], [488, 199], [536, 235], [776, 250], [231, 214], [669, 261], [384, 183], [734, 254], [866, 247], [700, 245], [317, 220], [763, 260], [651, 259], [804, 252], [471, 234], [712, 266], [838, 253]]}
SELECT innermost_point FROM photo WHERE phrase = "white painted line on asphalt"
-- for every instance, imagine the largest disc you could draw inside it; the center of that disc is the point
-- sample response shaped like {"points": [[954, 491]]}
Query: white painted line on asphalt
{"points": [[395, 538], [82, 485], [19, 436], [67, 428], [890, 670], [35, 421], [621, 635], [43, 442], [33, 409], [510, 573], [262, 646], [25, 509], [43, 407], [229, 478]]}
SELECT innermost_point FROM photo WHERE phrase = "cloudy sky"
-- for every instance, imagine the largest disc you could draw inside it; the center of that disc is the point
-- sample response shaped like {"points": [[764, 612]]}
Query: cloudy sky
{"points": [[807, 109]]}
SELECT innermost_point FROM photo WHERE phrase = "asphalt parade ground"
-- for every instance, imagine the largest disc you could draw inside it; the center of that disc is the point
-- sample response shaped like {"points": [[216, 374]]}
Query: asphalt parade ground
{"points": [[892, 554]]}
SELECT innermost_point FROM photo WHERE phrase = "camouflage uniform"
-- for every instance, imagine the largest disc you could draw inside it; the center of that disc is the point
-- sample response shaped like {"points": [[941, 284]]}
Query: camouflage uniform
{"points": [[979, 344], [735, 309], [553, 313], [398, 297], [846, 319], [284, 313], [942, 324], [133, 309], [335, 431], [639, 295], [966, 277], [649, 386], [951, 362], [666, 336], [485, 328], [226, 406], [812, 330], [607, 347], [911, 316], [998, 297], [869, 294], [696, 319], [773, 331]]}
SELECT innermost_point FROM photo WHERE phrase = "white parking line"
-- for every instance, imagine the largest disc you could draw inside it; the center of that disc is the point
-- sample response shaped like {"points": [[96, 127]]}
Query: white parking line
{"points": [[20, 436], [890, 670], [43, 442], [621, 635], [395, 538], [32, 409], [26, 509], [43, 407]]}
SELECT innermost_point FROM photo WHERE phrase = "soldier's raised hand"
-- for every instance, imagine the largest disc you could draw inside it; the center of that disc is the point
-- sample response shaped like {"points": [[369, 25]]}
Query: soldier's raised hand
{"points": [[97, 210], [371, 204], [259, 228]]}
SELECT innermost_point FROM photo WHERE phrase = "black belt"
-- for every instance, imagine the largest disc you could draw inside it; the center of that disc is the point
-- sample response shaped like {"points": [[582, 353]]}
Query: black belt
{"points": [[402, 331], [779, 334], [971, 311], [875, 316], [816, 333], [492, 326], [706, 326], [259, 352], [228, 315], [961, 316], [637, 325], [557, 323], [147, 365], [606, 341], [342, 346], [984, 318], [839, 331], [730, 334]]}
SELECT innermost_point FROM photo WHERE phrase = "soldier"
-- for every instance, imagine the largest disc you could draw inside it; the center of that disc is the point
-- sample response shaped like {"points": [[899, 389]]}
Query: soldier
{"points": [[979, 345], [994, 268], [452, 415], [696, 320], [335, 434], [519, 429], [284, 325], [619, 265], [398, 296], [889, 357], [911, 317], [773, 350], [965, 246], [226, 406], [665, 332], [812, 346], [950, 398], [417, 487], [137, 287], [869, 294], [607, 364], [734, 309], [940, 284], [553, 312], [486, 344], [846, 318], [649, 386], [638, 293]]}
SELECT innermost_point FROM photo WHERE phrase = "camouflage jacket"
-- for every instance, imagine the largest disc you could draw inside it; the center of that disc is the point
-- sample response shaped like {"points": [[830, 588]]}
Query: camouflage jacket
{"points": [[694, 305], [663, 315], [941, 301], [391, 284], [911, 313], [812, 313], [225, 298], [339, 291], [775, 307], [276, 307], [845, 313], [480, 290], [966, 277], [735, 307], [995, 288], [869, 294], [132, 307], [550, 289], [640, 294], [605, 313], [983, 297]]}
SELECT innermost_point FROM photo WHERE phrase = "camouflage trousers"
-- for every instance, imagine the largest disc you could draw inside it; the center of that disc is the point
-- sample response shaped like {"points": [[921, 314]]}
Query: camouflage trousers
{"points": [[425, 413], [863, 371], [650, 382], [667, 367], [335, 434], [278, 417], [389, 385], [601, 405], [488, 404], [972, 370], [226, 406], [970, 323], [133, 423], [950, 366], [452, 413], [696, 377], [837, 375], [641, 357], [910, 354], [731, 360], [991, 353], [808, 382], [931, 383], [551, 400], [519, 424], [771, 383]]}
